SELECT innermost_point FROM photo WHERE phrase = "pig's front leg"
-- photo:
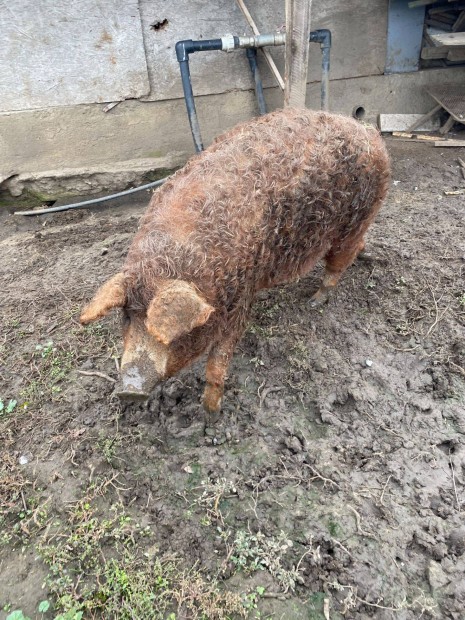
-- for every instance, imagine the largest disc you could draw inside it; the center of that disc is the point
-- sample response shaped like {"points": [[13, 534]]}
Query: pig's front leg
{"points": [[217, 369]]}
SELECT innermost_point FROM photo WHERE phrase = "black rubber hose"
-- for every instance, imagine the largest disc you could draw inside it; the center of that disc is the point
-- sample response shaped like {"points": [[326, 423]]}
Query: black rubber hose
{"points": [[94, 201]]}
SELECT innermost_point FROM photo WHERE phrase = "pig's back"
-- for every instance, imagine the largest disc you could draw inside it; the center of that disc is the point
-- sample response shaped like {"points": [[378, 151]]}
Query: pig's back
{"points": [[269, 194]]}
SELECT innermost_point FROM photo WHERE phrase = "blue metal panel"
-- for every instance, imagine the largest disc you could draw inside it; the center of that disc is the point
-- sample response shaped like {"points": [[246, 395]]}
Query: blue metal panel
{"points": [[405, 31]]}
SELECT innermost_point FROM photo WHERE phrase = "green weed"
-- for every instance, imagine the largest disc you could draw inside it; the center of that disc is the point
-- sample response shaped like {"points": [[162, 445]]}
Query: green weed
{"points": [[52, 364], [108, 566], [9, 408]]}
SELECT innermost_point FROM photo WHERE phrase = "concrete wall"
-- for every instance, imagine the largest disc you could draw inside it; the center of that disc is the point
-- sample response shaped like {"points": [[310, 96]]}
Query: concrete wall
{"points": [[56, 137]]}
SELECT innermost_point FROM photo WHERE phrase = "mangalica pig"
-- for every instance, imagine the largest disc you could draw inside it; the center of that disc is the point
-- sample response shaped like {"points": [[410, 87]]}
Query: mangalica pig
{"points": [[258, 208]]}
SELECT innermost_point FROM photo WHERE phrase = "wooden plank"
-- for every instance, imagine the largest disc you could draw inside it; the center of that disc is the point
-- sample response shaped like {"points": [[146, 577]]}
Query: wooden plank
{"points": [[424, 118], [462, 166], [446, 9], [449, 39], [447, 125], [434, 53], [459, 22], [297, 51], [456, 55], [453, 143], [441, 25], [403, 122], [416, 136], [415, 3]]}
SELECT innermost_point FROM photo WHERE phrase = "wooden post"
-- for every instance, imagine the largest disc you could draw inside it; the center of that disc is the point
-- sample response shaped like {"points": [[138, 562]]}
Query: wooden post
{"points": [[297, 50]]}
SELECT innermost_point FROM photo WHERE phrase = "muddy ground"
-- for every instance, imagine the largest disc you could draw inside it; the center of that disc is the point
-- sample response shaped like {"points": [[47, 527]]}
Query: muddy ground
{"points": [[340, 492]]}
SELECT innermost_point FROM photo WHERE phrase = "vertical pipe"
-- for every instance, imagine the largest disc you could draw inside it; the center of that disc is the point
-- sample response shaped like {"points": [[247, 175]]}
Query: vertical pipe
{"points": [[190, 104], [325, 52], [323, 37], [252, 56]]}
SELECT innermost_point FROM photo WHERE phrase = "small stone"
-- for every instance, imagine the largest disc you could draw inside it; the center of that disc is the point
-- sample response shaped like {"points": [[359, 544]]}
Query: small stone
{"points": [[104, 251], [293, 444], [436, 576], [456, 541], [439, 551], [368, 363], [23, 459]]}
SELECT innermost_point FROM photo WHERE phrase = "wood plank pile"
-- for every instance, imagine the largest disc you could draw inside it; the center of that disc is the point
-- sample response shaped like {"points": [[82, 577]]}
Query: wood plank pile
{"points": [[444, 33]]}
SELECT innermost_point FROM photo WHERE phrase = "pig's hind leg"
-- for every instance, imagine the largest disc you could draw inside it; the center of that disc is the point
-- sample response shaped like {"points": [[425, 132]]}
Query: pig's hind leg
{"points": [[337, 260]]}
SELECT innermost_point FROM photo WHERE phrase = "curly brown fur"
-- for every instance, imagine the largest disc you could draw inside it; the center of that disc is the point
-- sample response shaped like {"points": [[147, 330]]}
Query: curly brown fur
{"points": [[259, 207]]}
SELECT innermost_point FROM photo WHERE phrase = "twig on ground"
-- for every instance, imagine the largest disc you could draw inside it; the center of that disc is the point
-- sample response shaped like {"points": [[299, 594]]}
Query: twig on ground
{"points": [[323, 478], [96, 373], [281, 596], [336, 542], [269, 390], [457, 367], [438, 316], [453, 483], [384, 489], [358, 522]]}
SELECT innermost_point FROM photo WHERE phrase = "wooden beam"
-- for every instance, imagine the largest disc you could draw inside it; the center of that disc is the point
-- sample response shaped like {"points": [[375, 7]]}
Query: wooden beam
{"points": [[453, 39], [424, 118], [450, 143], [460, 21], [297, 50], [415, 3]]}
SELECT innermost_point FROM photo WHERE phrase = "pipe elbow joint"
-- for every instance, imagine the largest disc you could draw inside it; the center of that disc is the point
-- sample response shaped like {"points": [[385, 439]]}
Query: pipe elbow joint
{"points": [[321, 36], [183, 49]]}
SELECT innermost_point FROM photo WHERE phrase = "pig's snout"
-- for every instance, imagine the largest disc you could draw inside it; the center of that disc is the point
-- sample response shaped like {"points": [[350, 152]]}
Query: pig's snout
{"points": [[136, 384], [143, 366], [137, 381]]}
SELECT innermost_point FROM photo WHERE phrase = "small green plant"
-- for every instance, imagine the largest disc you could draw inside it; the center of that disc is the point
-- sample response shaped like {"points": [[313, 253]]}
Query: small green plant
{"points": [[17, 614], [9, 408], [253, 552], [45, 350], [125, 577], [44, 606], [300, 355], [250, 601], [52, 365], [462, 301], [108, 446]]}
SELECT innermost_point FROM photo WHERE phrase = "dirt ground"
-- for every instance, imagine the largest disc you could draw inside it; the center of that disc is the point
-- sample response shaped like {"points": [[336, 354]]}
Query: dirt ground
{"points": [[340, 491]]}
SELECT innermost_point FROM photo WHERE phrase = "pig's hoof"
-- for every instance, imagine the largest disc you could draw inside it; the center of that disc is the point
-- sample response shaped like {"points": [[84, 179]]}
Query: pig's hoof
{"points": [[216, 430], [319, 299], [215, 436], [366, 256]]}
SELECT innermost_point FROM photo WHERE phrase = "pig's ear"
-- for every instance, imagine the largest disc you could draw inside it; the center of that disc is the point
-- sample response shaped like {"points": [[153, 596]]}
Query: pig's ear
{"points": [[110, 295], [176, 310]]}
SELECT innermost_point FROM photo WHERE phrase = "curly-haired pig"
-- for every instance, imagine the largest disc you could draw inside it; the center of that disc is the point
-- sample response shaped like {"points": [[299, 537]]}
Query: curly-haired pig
{"points": [[259, 207]]}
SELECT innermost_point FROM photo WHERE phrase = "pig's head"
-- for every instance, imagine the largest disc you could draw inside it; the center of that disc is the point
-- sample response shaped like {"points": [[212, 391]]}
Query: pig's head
{"points": [[157, 337]]}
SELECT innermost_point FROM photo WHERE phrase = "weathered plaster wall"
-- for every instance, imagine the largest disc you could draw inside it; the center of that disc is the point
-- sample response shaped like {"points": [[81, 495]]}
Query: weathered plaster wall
{"points": [[56, 53], [55, 139]]}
